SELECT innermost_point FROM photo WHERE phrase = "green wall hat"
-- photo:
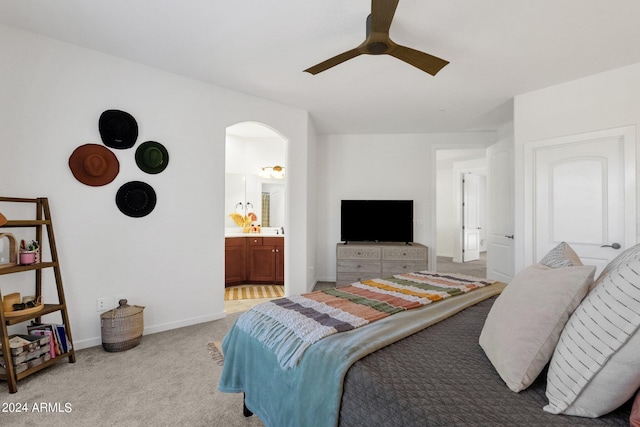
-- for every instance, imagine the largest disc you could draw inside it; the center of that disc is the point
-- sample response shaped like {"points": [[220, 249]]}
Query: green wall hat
{"points": [[152, 157]]}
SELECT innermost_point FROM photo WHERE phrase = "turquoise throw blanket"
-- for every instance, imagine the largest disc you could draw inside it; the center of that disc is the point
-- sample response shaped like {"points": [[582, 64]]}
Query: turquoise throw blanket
{"points": [[309, 394]]}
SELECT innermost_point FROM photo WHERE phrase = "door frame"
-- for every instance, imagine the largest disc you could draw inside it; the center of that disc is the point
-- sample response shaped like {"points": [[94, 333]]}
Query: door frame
{"points": [[628, 136], [466, 190], [472, 166]]}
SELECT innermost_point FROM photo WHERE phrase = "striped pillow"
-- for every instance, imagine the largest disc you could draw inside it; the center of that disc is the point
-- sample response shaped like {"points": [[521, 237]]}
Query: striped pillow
{"points": [[595, 367], [561, 256]]}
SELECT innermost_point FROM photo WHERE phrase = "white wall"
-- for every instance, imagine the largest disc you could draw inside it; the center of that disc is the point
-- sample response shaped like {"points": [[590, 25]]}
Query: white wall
{"points": [[446, 212], [380, 167], [603, 101], [171, 261], [247, 155]]}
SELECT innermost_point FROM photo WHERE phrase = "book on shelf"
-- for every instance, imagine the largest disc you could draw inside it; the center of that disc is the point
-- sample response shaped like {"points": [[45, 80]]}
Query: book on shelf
{"points": [[60, 342]]}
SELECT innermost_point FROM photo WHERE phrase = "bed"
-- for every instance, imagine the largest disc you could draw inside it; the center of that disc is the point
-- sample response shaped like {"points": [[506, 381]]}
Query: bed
{"points": [[422, 366]]}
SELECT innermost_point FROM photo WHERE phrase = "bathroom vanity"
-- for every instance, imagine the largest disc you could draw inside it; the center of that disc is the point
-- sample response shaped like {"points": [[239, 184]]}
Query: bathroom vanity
{"points": [[254, 258]]}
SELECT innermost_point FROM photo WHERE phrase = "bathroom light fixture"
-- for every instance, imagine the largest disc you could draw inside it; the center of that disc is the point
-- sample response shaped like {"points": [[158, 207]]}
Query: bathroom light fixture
{"points": [[275, 172]]}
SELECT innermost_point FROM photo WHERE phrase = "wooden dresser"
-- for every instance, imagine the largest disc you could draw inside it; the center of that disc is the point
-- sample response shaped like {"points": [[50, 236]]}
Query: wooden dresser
{"points": [[363, 260]]}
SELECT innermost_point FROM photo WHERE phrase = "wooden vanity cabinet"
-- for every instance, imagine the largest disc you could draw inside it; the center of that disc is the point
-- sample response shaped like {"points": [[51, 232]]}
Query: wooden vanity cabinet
{"points": [[235, 261], [254, 259], [266, 260]]}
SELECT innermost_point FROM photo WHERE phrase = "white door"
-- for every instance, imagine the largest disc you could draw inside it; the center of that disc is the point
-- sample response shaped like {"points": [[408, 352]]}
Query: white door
{"points": [[500, 212], [582, 194], [470, 217]]}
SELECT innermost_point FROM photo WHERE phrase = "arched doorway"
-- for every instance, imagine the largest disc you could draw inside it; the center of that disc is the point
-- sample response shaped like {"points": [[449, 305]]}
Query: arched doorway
{"points": [[255, 193]]}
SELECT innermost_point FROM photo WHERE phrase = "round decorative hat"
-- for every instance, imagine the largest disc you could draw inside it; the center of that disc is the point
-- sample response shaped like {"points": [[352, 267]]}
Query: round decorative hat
{"points": [[94, 164], [136, 199], [152, 157], [118, 129]]}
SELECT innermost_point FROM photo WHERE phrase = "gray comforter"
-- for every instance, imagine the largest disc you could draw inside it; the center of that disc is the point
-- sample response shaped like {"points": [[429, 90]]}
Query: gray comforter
{"points": [[441, 377]]}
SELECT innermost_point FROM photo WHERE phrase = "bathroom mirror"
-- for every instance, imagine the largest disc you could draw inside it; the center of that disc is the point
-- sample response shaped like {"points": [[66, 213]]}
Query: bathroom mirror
{"points": [[251, 193]]}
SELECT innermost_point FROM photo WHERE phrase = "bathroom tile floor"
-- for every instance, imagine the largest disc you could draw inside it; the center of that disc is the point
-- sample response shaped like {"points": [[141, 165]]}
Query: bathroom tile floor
{"points": [[246, 304]]}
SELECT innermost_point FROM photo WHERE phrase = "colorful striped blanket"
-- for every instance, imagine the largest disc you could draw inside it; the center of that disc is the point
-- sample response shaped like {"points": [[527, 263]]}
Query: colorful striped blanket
{"points": [[288, 326]]}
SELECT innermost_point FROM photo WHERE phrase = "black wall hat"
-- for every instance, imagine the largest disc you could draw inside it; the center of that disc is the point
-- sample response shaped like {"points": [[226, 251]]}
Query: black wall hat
{"points": [[152, 157], [118, 129], [136, 199]]}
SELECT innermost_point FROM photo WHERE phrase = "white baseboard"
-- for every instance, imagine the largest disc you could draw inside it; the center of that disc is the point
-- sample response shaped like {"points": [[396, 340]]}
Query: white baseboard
{"points": [[97, 341]]}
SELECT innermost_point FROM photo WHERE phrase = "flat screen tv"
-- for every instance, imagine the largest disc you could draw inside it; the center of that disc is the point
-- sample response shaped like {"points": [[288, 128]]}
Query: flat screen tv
{"points": [[376, 221]]}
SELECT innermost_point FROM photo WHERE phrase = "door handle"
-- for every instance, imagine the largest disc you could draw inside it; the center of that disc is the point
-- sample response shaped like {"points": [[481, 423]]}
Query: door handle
{"points": [[509, 237], [613, 246]]}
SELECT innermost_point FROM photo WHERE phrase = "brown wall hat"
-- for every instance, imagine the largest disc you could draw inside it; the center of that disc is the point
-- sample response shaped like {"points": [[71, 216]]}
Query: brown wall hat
{"points": [[136, 199], [94, 164], [152, 157], [118, 129], [3, 219]]}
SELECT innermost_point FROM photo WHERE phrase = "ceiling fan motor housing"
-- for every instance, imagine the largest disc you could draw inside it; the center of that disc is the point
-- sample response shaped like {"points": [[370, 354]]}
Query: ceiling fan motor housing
{"points": [[377, 48]]}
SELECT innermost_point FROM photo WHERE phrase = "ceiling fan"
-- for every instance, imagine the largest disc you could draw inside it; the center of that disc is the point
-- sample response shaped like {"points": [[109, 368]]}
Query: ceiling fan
{"points": [[378, 42]]}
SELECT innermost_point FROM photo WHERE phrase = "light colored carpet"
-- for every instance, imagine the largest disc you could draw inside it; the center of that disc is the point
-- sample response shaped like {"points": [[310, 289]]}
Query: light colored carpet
{"points": [[477, 268], [169, 379], [234, 293]]}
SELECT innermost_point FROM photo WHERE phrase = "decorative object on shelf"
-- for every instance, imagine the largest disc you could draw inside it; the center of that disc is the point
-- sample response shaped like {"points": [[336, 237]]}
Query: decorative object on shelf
{"points": [[244, 221], [274, 172], [12, 251], [94, 165], [122, 327], [9, 300], [152, 157], [29, 252], [22, 309], [118, 129], [136, 199], [3, 219]]}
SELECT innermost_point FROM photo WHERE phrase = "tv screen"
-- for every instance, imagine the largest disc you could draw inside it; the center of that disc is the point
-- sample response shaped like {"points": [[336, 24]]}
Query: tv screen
{"points": [[376, 221]]}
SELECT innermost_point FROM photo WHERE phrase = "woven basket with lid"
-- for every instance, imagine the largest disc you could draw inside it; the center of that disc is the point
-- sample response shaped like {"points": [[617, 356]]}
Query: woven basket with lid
{"points": [[122, 327]]}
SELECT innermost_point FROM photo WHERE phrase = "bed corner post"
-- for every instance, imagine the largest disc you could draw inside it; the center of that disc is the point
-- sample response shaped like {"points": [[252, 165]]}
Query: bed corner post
{"points": [[245, 411]]}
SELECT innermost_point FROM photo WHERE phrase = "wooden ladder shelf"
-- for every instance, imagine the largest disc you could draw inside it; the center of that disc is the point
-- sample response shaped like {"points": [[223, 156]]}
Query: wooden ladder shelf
{"points": [[42, 221]]}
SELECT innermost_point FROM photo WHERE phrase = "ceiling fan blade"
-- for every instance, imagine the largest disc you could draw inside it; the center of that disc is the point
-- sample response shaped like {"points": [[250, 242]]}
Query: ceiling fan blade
{"points": [[332, 62], [382, 12], [427, 63]]}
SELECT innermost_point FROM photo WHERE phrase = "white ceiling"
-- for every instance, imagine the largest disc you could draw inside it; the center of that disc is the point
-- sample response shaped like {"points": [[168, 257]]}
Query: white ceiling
{"points": [[496, 48]]}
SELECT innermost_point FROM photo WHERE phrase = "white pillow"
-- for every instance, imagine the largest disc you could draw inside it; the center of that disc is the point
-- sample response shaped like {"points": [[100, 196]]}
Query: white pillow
{"points": [[524, 324], [596, 365]]}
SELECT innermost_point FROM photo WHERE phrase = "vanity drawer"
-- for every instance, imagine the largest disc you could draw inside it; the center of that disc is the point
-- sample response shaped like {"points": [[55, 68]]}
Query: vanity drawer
{"points": [[404, 253], [273, 241], [254, 241]]}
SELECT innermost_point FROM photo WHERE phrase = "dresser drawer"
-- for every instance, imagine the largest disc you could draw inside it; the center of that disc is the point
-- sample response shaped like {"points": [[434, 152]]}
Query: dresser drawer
{"points": [[349, 278], [412, 253], [358, 252], [389, 268], [353, 266]]}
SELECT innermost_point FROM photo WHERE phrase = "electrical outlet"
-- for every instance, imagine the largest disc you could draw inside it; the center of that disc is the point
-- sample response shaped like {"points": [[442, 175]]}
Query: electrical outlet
{"points": [[116, 300], [104, 303]]}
